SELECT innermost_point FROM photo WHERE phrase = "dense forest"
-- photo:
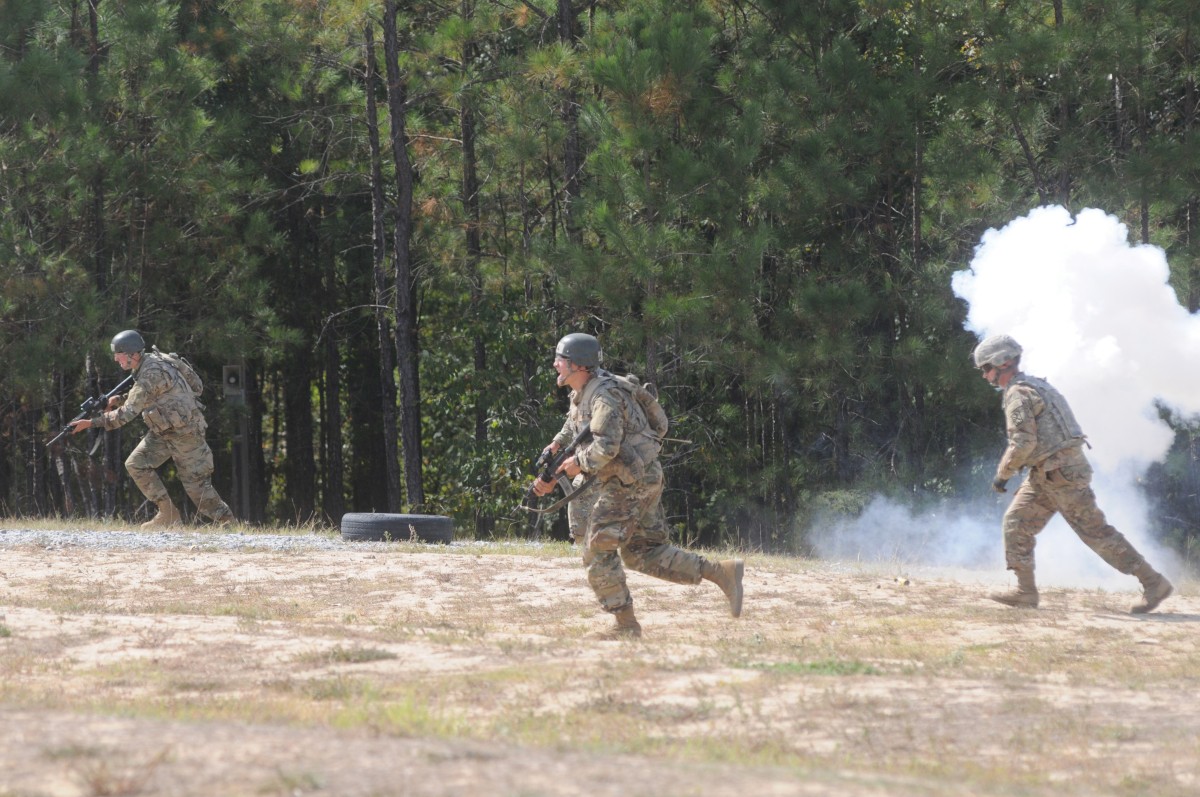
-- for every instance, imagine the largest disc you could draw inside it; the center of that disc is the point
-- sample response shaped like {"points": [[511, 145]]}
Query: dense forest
{"points": [[379, 217]]}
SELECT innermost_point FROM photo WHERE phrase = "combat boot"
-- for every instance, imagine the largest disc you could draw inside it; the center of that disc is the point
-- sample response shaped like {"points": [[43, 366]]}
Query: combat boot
{"points": [[1025, 594], [167, 515], [1155, 589], [728, 576], [627, 625]]}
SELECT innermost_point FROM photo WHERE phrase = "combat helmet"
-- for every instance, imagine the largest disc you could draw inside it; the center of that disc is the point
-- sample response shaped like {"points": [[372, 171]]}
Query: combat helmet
{"points": [[996, 350], [580, 348], [128, 342]]}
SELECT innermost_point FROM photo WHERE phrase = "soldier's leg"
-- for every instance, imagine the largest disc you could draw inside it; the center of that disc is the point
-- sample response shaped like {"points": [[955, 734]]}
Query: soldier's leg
{"points": [[143, 463], [1074, 498], [651, 553], [606, 577], [1077, 502], [194, 464], [648, 549], [578, 513], [1025, 517], [605, 574], [608, 522]]}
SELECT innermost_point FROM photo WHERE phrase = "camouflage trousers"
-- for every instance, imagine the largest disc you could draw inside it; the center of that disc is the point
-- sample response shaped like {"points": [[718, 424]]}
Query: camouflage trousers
{"points": [[580, 510], [626, 525], [1066, 490], [193, 462]]}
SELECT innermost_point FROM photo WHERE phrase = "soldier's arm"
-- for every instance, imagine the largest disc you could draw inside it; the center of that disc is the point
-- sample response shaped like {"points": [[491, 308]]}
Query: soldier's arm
{"points": [[608, 432], [1021, 409], [139, 398], [565, 435]]}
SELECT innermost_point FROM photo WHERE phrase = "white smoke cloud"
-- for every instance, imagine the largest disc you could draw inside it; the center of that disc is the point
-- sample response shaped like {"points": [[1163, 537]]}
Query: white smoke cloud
{"points": [[1098, 318], [886, 531]]}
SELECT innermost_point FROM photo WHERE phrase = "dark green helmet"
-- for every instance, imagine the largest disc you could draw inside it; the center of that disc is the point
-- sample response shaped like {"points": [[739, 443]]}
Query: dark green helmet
{"points": [[128, 342], [581, 349]]}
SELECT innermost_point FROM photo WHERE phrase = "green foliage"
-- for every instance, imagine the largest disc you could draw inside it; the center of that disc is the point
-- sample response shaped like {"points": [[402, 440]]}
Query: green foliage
{"points": [[771, 203]]}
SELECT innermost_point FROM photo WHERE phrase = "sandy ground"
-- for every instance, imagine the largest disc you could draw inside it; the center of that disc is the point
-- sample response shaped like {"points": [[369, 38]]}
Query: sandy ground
{"points": [[440, 671]]}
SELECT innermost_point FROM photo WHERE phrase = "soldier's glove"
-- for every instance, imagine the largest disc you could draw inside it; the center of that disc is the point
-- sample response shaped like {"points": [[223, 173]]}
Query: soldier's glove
{"points": [[998, 485]]}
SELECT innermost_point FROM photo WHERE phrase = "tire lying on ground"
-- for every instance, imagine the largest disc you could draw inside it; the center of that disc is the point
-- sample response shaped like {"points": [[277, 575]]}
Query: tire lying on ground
{"points": [[387, 527]]}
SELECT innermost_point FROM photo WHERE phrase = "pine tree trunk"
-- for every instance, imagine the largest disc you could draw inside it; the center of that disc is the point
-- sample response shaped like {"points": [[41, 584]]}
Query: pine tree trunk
{"points": [[1064, 118], [407, 346], [335, 472], [484, 521], [299, 464], [572, 152], [1193, 204], [256, 499], [383, 324]]}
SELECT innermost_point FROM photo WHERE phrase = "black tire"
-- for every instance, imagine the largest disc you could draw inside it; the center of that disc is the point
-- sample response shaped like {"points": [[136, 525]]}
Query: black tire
{"points": [[382, 526]]}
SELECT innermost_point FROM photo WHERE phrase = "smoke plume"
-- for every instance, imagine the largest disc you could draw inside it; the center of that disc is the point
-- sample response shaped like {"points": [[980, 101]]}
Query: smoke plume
{"points": [[1098, 318]]}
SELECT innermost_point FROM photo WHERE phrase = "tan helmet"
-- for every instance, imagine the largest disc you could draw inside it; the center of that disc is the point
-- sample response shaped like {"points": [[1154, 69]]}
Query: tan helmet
{"points": [[996, 350]]}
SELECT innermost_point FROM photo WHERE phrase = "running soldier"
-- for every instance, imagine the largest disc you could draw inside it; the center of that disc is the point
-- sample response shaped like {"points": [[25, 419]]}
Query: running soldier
{"points": [[623, 520], [1044, 437], [166, 394]]}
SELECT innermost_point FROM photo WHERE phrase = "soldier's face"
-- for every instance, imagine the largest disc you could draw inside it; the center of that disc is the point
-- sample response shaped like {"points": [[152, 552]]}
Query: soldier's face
{"points": [[565, 369], [126, 361], [997, 377]]}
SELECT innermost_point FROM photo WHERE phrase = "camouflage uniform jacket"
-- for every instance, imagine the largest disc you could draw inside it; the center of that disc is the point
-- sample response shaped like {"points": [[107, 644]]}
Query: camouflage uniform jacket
{"points": [[1042, 430], [161, 396], [621, 445]]}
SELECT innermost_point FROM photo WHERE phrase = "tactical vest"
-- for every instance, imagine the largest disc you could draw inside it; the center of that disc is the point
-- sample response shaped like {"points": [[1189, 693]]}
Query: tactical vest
{"points": [[1057, 428]]}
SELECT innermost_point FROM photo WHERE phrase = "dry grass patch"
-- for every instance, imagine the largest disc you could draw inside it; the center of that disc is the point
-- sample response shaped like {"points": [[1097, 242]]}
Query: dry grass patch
{"points": [[319, 671]]}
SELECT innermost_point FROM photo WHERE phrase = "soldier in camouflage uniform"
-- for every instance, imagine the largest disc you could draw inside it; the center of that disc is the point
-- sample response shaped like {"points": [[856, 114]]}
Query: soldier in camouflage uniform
{"points": [[621, 518], [1044, 437], [168, 403]]}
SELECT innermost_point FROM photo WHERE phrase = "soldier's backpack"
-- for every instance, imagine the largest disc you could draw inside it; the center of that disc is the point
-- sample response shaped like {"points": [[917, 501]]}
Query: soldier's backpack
{"points": [[646, 397], [185, 369]]}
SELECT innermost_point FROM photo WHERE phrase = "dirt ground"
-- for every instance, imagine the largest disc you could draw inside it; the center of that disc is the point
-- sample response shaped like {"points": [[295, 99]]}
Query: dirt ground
{"points": [[412, 670]]}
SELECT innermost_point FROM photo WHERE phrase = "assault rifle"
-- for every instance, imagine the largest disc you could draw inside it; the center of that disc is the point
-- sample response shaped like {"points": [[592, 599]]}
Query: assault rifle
{"points": [[546, 469], [92, 406]]}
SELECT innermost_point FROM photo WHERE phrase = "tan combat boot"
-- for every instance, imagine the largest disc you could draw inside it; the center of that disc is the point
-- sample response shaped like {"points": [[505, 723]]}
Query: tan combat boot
{"points": [[1155, 589], [1025, 594], [728, 576], [627, 625], [167, 515]]}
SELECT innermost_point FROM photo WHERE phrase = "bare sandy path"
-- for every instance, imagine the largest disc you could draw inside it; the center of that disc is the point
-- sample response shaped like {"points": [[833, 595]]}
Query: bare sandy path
{"points": [[410, 671]]}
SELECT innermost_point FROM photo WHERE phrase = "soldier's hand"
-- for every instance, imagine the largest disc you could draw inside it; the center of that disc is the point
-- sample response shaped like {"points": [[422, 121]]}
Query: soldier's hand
{"points": [[114, 402], [541, 488], [570, 467], [81, 424], [998, 485]]}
